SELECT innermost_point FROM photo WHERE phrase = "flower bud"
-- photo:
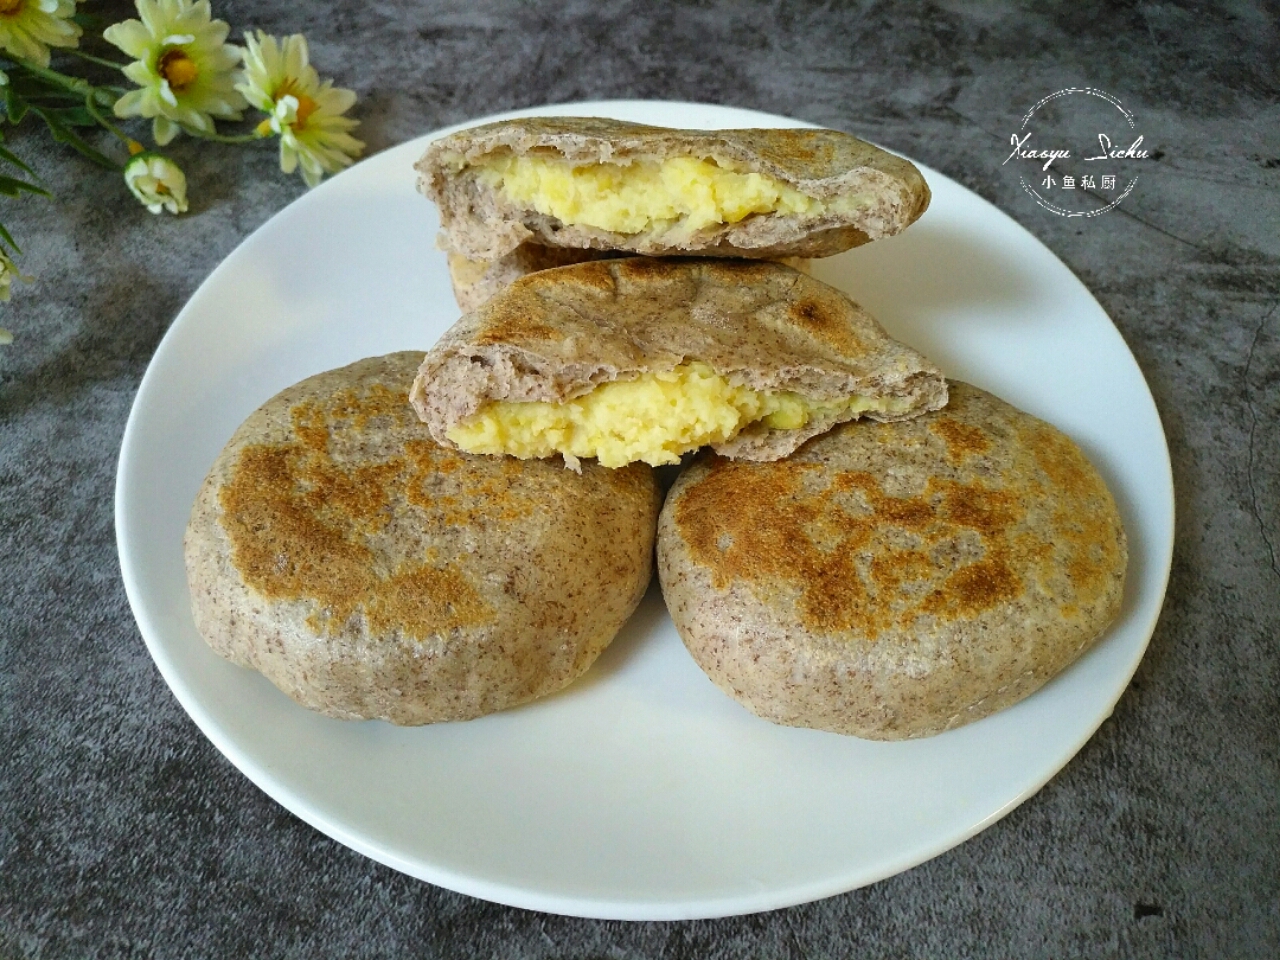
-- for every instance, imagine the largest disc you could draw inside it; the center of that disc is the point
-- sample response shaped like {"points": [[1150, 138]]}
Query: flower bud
{"points": [[157, 182]]}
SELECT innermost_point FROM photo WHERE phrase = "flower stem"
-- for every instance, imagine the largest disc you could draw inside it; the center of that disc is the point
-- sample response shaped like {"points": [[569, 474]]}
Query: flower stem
{"points": [[73, 84], [222, 137], [92, 107], [100, 61]]}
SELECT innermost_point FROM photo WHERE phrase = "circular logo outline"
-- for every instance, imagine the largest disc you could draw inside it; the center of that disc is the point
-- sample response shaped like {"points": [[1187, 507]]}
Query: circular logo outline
{"points": [[1049, 204]]}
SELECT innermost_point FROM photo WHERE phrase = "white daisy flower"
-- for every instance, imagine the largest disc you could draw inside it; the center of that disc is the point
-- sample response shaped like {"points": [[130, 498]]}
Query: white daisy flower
{"points": [[279, 80], [28, 28], [185, 71], [157, 182]]}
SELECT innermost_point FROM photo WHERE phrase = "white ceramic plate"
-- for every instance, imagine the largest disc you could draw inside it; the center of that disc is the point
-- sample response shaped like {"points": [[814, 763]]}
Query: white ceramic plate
{"points": [[641, 792]]}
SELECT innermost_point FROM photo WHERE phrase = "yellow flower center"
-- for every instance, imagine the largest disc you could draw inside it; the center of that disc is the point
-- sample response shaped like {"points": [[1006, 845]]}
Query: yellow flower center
{"points": [[10, 8], [306, 106], [176, 67]]}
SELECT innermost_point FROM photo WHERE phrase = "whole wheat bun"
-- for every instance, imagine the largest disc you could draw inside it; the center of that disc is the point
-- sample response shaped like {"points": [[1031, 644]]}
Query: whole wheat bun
{"points": [[369, 573], [557, 334], [480, 224], [895, 580]]}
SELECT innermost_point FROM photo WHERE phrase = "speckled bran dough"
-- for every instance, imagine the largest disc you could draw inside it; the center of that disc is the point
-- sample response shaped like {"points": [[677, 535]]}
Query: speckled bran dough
{"points": [[479, 224], [369, 573], [898, 580], [475, 281], [559, 333]]}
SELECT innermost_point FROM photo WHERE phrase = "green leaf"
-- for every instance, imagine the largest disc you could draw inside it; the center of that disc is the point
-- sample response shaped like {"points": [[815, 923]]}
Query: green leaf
{"points": [[89, 22], [54, 98], [9, 157], [34, 87], [11, 187], [72, 116], [8, 239], [49, 96], [64, 134], [15, 106]]}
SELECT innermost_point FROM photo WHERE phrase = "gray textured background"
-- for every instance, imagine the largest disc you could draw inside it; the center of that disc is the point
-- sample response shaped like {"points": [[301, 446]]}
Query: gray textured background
{"points": [[123, 833]]}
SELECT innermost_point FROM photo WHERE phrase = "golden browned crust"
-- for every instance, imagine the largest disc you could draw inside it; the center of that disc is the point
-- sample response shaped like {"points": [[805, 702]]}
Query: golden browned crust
{"points": [[893, 581], [482, 225], [368, 572], [557, 334], [475, 281]]}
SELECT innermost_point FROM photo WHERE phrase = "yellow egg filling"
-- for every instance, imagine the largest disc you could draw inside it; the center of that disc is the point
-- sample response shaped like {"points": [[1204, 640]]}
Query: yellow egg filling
{"points": [[655, 418], [640, 196]]}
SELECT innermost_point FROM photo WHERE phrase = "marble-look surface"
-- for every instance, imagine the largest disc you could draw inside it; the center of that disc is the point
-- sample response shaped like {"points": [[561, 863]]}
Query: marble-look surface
{"points": [[124, 833]]}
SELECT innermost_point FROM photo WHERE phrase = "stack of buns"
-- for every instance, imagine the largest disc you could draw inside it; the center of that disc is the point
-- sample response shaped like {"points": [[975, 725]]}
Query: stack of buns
{"points": [[852, 544]]}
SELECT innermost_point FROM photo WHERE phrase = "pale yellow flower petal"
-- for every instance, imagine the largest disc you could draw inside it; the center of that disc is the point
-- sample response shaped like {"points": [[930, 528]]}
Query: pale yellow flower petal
{"points": [[33, 26], [130, 105], [138, 72], [163, 130], [130, 36]]}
